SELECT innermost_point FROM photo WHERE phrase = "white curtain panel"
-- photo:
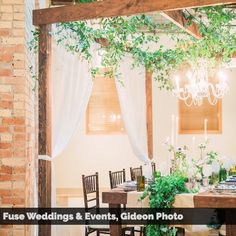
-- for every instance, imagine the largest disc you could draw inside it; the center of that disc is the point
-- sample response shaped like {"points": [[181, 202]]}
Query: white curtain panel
{"points": [[71, 89], [132, 97]]}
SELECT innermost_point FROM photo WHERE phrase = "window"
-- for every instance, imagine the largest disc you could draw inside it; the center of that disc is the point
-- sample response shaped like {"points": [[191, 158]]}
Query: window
{"points": [[103, 112], [191, 119]]}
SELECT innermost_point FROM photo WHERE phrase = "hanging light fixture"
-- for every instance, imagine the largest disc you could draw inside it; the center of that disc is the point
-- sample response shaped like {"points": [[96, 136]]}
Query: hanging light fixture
{"points": [[197, 86]]}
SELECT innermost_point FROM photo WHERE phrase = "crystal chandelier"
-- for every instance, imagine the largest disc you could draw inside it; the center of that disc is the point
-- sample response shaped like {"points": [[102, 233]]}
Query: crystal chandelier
{"points": [[197, 85]]}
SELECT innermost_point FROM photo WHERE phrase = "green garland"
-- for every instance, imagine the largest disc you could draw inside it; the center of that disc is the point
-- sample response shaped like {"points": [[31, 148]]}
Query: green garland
{"points": [[161, 193], [133, 35]]}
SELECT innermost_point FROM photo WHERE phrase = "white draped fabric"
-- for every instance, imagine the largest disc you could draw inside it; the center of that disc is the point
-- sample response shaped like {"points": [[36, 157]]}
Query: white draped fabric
{"points": [[72, 86], [71, 90], [132, 97]]}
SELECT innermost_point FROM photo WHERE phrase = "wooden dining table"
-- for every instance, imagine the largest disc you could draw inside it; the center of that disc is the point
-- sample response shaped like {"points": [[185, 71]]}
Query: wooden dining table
{"points": [[206, 199], [211, 199]]}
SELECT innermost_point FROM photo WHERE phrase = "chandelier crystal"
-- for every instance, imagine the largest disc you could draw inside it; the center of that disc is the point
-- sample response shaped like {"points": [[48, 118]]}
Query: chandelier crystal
{"points": [[197, 85]]}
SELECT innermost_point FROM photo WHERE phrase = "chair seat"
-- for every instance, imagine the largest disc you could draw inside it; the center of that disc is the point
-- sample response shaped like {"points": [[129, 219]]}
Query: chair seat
{"points": [[222, 230], [105, 227]]}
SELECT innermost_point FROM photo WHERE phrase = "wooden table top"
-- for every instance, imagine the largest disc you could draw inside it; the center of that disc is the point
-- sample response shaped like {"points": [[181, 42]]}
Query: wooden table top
{"points": [[211, 199]]}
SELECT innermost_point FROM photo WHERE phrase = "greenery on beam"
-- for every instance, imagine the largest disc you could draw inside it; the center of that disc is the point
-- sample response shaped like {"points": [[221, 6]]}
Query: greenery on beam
{"points": [[132, 36]]}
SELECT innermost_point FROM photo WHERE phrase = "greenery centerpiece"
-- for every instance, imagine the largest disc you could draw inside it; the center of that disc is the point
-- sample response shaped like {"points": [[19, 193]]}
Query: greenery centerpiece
{"points": [[161, 193], [195, 168]]}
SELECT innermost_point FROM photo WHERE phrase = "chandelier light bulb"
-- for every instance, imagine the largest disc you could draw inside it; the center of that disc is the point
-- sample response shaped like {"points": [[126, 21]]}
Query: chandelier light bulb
{"points": [[177, 82], [189, 74], [199, 87], [222, 77]]}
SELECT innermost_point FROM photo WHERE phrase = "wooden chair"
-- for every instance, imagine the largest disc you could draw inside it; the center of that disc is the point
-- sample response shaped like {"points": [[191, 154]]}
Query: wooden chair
{"points": [[153, 167], [91, 201], [116, 178], [135, 172], [222, 231]]}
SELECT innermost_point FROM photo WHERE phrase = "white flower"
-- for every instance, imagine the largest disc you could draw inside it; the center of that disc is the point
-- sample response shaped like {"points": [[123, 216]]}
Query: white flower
{"points": [[207, 170], [198, 176]]}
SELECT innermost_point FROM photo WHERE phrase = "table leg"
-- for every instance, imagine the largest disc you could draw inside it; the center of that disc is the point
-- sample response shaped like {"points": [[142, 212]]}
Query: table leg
{"points": [[230, 217], [115, 229]]}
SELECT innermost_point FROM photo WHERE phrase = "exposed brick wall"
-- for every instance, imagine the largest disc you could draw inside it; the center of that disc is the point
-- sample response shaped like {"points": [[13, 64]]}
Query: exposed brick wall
{"points": [[18, 166]]}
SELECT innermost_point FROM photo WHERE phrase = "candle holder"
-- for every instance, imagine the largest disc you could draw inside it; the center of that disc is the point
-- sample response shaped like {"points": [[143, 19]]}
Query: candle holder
{"points": [[173, 166], [202, 148]]}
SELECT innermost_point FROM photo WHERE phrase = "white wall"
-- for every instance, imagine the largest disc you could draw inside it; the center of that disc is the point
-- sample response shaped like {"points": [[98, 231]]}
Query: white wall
{"points": [[165, 105], [87, 154]]}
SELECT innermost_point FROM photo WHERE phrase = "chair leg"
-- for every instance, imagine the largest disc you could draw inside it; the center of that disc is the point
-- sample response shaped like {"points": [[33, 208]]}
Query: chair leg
{"points": [[141, 231], [132, 231], [180, 232], [98, 233], [85, 231]]}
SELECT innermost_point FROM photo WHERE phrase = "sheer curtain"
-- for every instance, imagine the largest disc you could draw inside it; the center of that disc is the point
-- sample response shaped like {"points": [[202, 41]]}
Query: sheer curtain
{"points": [[132, 97], [71, 90]]}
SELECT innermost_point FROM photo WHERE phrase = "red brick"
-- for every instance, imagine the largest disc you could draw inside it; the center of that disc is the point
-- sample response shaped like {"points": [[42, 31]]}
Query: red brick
{"points": [[19, 88], [5, 192], [6, 97], [4, 129], [17, 177], [4, 232], [12, 80], [5, 145], [19, 48], [6, 104], [5, 153], [6, 227], [10, 192], [5, 170], [5, 72], [5, 32], [19, 137], [7, 57], [19, 144], [19, 170], [13, 121], [17, 200], [19, 129], [19, 153], [5, 177]]}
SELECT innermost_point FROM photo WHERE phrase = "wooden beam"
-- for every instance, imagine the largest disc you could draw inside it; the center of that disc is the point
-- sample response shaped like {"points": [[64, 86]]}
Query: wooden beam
{"points": [[178, 19], [110, 8], [44, 93], [148, 82], [174, 16], [62, 2]]}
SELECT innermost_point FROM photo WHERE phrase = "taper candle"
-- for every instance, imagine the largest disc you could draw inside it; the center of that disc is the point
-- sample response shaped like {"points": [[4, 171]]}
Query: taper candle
{"points": [[205, 129]]}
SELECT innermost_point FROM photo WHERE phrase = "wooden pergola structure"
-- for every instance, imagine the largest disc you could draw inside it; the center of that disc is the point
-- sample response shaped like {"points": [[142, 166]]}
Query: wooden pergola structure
{"points": [[43, 18]]}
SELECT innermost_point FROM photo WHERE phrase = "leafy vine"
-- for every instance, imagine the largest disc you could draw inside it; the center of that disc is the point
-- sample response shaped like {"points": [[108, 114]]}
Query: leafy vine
{"points": [[161, 193], [134, 36]]}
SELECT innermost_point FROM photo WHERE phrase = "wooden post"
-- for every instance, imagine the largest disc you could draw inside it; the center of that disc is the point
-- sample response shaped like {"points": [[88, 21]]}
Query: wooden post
{"points": [[44, 93], [149, 113]]}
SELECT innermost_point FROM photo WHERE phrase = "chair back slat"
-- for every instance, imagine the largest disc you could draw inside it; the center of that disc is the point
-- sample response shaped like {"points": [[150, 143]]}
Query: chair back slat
{"points": [[135, 172], [91, 190], [153, 168], [116, 178]]}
